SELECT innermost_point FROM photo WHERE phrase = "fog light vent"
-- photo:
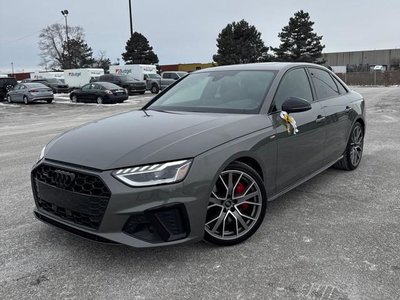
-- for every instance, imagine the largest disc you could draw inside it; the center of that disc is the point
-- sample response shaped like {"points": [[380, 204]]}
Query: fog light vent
{"points": [[159, 225]]}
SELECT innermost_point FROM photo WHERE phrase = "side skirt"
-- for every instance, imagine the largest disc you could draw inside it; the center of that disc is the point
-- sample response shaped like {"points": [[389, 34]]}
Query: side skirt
{"points": [[284, 191]]}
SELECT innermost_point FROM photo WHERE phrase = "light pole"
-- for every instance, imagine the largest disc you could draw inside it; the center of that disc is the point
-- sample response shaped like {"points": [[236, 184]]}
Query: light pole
{"points": [[12, 68], [130, 16], [65, 14]]}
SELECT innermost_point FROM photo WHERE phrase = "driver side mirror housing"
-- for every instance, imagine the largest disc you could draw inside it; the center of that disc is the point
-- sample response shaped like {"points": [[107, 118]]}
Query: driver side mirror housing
{"points": [[295, 105]]}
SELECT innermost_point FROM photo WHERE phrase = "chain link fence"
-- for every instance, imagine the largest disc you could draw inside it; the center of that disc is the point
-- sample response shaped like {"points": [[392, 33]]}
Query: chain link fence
{"points": [[371, 78]]}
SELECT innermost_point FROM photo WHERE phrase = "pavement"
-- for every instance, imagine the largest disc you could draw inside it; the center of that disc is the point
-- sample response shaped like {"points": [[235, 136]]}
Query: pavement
{"points": [[335, 237]]}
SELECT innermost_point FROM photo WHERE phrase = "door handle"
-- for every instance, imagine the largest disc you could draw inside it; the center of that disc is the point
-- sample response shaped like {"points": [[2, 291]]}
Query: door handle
{"points": [[320, 119], [348, 108]]}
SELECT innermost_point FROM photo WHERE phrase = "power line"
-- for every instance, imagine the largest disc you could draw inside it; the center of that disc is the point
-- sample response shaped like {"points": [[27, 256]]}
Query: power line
{"points": [[28, 35]]}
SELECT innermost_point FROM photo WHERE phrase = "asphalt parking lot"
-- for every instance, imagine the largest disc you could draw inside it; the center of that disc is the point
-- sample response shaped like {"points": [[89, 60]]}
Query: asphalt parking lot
{"points": [[335, 237]]}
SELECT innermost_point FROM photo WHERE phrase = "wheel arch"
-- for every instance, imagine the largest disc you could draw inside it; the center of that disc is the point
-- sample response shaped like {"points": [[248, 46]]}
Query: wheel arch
{"points": [[253, 163], [361, 121], [248, 159]]}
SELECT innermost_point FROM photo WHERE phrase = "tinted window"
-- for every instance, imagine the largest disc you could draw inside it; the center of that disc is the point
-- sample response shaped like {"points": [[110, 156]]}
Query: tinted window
{"points": [[324, 84], [174, 76], [342, 90], [295, 83], [166, 75], [108, 85], [86, 87], [218, 91]]}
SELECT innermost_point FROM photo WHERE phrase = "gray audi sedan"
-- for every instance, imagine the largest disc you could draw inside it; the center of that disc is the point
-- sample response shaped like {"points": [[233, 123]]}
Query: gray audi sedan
{"points": [[30, 92], [203, 158]]}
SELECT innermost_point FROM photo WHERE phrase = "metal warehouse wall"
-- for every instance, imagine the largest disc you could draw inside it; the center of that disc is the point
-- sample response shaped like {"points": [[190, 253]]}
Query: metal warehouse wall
{"points": [[369, 57]]}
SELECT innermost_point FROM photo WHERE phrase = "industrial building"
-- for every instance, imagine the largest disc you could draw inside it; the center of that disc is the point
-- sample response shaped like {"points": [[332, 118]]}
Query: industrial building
{"points": [[186, 67], [361, 61]]}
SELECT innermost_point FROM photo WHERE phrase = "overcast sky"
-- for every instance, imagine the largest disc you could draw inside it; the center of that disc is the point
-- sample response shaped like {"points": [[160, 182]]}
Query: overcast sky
{"points": [[183, 31]]}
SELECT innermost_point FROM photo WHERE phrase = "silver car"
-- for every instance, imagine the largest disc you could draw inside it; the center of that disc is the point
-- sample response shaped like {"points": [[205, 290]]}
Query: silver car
{"points": [[30, 92]]}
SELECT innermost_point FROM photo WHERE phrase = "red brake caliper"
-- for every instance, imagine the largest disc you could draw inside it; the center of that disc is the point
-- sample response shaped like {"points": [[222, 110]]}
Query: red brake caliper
{"points": [[240, 189]]}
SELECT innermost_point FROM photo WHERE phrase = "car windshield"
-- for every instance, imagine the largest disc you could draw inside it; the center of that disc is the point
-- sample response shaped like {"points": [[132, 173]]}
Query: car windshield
{"points": [[218, 91], [53, 80], [127, 78], [36, 85], [182, 74], [154, 76]]}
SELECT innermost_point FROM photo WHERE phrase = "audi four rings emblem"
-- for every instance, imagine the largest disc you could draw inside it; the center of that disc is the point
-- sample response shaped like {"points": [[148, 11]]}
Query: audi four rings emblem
{"points": [[63, 179]]}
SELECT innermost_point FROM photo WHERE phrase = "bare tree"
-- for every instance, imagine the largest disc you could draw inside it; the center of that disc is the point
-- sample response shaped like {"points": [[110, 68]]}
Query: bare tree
{"points": [[51, 43], [102, 61]]}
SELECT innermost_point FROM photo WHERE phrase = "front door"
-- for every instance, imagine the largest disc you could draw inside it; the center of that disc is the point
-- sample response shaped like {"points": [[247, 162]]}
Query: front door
{"points": [[300, 154]]}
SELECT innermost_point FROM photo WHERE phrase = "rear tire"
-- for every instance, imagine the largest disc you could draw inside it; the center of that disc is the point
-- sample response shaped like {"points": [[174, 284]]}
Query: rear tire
{"points": [[26, 102], [141, 93], [9, 100], [354, 149], [236, 207], [74, 98], [49, 101]]}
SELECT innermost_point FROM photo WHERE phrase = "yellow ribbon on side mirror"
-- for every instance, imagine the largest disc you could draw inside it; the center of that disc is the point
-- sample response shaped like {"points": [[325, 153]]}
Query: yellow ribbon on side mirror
{"points": [[289, 121]]}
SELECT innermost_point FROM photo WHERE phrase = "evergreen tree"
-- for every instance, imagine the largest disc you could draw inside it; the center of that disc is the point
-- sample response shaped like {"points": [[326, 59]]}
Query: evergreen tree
{"points": [[76, 54], [240, 43], [139, 51], [299, 42]]}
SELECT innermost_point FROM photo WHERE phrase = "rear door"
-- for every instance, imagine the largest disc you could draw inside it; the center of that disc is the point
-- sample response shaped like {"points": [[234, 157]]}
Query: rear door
{"points": [[301, 154], [23, 89], [336, 110], [15, 93]]}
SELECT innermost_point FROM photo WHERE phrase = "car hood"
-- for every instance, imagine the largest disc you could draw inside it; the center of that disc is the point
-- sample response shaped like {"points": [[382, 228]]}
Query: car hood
{"points": [[142, 137]]}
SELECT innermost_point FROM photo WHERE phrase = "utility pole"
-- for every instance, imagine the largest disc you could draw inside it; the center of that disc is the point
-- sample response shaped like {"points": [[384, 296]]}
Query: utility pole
{"points": [[130, 16], [12, 68]]}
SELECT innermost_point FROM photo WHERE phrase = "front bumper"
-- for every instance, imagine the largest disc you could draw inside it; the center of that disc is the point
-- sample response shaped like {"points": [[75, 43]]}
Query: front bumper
{"points": [[137, 89], [138, 217]]}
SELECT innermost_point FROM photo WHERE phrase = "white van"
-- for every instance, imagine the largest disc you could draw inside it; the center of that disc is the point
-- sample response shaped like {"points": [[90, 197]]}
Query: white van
{"points": [[135, 71], [76, 78]]}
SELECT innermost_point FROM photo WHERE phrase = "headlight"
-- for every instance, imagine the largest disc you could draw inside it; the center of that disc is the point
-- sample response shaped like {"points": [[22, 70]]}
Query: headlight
{"points": [[154, 174], [42, 153]]}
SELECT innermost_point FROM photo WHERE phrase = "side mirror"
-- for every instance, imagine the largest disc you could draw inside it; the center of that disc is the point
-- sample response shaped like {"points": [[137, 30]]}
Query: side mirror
{"points": [[294, 105]]}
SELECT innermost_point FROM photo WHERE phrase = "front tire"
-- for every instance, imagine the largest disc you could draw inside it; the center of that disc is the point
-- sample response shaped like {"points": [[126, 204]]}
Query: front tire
{"points": [[154, 89], [49, 101], [26, 102], [354, 149], [236, 207], [74, 98], [9, 100], [99, 100]]}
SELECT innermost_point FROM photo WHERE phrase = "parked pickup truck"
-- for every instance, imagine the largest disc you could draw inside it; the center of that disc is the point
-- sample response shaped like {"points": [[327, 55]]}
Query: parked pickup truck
{"points": [[155, 82]]}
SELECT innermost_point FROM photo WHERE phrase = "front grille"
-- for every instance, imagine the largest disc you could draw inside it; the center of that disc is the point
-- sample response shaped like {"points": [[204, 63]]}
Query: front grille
{"points": [[138, 84], [72, 181], [73, 196]]}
